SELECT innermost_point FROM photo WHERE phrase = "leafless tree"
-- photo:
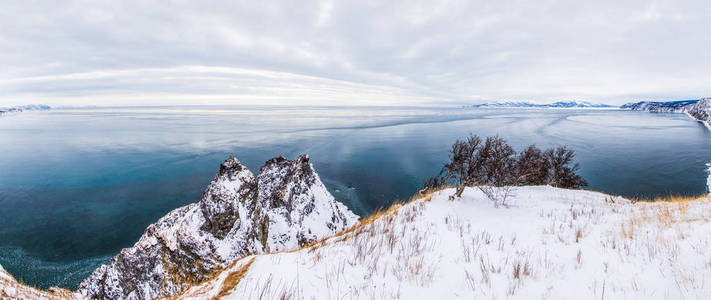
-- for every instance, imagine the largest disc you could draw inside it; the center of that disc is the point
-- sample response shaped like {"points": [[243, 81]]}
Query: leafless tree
{"points": [[494, 166], [532, 166], [562, 169]]}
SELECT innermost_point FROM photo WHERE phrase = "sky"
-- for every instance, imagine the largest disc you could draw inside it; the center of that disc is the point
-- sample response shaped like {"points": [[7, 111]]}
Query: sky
{"points": [[78, 53]]}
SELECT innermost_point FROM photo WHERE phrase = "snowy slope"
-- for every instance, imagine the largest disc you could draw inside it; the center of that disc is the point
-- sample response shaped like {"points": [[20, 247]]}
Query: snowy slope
{"points": [[549, 244], [284, 207]]}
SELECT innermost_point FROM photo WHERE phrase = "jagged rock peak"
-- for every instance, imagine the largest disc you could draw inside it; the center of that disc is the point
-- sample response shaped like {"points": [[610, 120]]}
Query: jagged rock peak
{"points": [[300, 209], [284, 207], [230, 165], [233, 185]]}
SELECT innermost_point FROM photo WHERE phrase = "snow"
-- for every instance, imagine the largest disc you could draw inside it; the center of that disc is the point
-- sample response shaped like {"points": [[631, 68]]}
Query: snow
{"points": [[11, 289], [548, 244], [4, 275], [699, 110], [285, 207]]}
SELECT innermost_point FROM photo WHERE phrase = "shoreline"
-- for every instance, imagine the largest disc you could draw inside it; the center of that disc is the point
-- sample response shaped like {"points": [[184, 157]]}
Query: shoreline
{"points": [[705, 123]]}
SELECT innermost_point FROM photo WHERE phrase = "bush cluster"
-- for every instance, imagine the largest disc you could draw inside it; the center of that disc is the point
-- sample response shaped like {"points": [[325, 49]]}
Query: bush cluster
{"points": [[493, 162]]}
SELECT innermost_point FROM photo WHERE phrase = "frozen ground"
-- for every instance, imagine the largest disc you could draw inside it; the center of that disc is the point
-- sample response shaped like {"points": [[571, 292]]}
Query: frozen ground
{"points": [[547, 244]]}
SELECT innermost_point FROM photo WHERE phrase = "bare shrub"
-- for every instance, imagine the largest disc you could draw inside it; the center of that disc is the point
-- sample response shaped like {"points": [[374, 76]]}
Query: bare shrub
{"points": [[495, 166], [533, 166], [562, 170]]}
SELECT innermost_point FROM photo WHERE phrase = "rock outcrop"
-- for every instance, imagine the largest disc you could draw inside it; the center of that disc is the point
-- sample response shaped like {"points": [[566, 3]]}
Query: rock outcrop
{"points": [[701, 110], [284, 207]]}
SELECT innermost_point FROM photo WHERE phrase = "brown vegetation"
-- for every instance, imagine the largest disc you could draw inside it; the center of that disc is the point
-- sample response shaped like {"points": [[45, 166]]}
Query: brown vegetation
{"points": [[233, 279]]}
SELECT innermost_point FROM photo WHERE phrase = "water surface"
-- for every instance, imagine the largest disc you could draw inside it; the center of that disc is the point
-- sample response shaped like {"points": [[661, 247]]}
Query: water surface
{"points": [[77, 185]]}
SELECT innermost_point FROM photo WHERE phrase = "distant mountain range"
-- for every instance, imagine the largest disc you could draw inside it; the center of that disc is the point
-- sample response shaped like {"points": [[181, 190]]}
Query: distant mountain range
{"points": [[559, 104], [16, 109]]}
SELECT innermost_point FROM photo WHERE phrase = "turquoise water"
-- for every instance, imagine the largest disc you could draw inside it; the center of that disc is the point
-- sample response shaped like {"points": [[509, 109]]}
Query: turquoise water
{"points": [[77, 185]]}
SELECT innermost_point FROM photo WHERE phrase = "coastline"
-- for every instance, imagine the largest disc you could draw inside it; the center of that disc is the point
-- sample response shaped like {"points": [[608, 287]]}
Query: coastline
{"points": [[705, 123]]}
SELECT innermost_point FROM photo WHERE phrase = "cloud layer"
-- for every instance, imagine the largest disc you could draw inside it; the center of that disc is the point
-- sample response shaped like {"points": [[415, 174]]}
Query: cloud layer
{"points": [[352, 53]]}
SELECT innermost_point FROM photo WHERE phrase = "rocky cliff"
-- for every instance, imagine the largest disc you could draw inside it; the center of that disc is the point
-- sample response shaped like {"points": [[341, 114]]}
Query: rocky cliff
{"points": [[286, 206], [700, 109]]}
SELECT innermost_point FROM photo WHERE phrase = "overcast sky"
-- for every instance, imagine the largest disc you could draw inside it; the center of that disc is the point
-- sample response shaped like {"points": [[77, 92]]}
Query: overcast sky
{"points": [[352, 53]]}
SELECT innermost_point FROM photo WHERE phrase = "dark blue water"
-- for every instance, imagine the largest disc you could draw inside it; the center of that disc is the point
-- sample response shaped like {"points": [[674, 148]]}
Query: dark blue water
{"points": [[76, 186]]}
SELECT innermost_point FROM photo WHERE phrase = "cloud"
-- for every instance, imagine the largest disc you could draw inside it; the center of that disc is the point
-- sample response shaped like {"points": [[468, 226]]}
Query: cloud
{"points": [[352, 53]]}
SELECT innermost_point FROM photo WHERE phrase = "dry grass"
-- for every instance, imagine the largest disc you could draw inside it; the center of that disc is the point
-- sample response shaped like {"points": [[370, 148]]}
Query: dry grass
{"points": [[665, 212], [23, 291], [358, 229], [233, 279], [491, 261], [676, 198], [374, 233]]}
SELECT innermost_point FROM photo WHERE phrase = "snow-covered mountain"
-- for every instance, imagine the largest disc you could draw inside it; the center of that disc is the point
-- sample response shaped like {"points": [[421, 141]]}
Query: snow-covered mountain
{"points": [[559, 104], [283, 208], [698, 109]]}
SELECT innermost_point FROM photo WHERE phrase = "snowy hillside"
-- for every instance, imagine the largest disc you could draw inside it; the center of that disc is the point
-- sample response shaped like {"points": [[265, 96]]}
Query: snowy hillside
{"points": [[549, 244], [699, 110]]}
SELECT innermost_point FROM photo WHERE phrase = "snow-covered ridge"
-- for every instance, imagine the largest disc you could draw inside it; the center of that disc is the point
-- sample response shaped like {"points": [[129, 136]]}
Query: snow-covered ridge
{"points": [[549, 244], [699, 110], [284, 207], [559, 104]]}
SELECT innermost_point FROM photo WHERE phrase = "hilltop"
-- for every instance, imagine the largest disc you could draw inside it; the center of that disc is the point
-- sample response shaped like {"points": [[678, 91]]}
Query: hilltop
{"points": [[549, 243]]}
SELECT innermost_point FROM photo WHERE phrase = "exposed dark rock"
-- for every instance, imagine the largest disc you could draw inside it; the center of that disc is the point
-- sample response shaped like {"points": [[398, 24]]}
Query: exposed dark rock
{"points": [[285, 207]]}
